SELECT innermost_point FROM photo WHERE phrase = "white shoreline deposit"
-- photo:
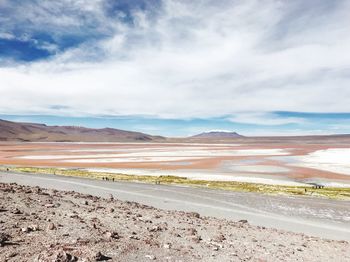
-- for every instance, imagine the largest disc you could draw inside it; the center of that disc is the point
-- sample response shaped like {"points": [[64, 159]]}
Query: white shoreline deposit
{"points": [[257, 168], [188, 154], [146, 149], [131, 159], [335, 160]]}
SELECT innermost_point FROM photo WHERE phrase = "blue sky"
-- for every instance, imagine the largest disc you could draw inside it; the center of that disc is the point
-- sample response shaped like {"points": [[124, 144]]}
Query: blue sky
{"points": [[300, 124], [176, 67]]}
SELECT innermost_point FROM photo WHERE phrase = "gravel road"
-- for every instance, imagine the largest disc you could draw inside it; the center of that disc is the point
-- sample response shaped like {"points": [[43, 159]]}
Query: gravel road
{"points": [[312, 216]]}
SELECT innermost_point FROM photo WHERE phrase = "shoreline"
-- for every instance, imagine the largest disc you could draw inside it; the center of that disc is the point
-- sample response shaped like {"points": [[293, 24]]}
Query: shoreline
{"points": [[337, 193]]}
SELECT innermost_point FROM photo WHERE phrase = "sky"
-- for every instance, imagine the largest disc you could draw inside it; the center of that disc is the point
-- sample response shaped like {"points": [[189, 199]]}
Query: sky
{"points": [[176, 67]]}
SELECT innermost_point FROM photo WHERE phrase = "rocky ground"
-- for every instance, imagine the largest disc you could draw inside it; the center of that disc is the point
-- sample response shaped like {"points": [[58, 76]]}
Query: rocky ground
{"points": [[47, 225]]}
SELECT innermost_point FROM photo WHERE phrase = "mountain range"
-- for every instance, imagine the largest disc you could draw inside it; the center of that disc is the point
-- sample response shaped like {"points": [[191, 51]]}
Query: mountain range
{"points": [[32, 132], [217, 135]]}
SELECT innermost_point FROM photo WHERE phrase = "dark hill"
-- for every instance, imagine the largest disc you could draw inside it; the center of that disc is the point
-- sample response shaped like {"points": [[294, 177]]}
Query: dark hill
{"points": [[217, 135], [31, 132]]}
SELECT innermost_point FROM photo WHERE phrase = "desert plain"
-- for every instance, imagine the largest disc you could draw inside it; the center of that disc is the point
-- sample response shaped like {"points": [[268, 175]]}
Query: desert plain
{"points": [[79, 225], [276, 162]]}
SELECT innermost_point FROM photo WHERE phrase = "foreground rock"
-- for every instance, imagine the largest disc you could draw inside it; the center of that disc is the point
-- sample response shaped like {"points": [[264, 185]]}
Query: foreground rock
{"points": [[45, 225]]}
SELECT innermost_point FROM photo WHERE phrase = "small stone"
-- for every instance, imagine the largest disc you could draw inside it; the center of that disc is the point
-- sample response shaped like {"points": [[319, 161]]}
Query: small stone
{"points": [[243, 221], [100, 257], [35, 227], [192, 231], [167, 246], [155, 229], [4, 238], [26, 229], [13, 254], [194, 214], [196, 239], [113, 235], [16, 211], [65, 257], [51, 226], [150, 257], [220, 238]]}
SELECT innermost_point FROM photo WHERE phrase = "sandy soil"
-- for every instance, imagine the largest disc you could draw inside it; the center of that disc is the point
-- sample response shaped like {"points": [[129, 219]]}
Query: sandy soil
{"points": [[48, 225]]}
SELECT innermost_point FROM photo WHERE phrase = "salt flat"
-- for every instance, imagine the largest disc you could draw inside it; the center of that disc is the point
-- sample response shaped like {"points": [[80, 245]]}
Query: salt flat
{"points": [[335, 160], [265, 162], [175, 152]]}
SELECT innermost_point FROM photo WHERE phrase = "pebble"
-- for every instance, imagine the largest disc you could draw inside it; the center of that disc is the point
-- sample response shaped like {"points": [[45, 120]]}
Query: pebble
{"points": [[34, 227], [65, 257], [151, 257], [13, 254], [51, 226], [194, 214], [16, 211], [100, 257], [167, 246], [113, 235], [26, 229], [4, 238], [134, 237]]}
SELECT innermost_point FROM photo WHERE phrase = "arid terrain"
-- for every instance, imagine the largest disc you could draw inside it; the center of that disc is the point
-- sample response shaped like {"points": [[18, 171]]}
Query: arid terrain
{"points": [[49, 225], [279, 163], [214, 156]]}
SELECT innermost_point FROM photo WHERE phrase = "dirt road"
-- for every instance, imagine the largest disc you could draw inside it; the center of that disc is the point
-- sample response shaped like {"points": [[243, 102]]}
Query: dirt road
{"points": [[313, 216]]}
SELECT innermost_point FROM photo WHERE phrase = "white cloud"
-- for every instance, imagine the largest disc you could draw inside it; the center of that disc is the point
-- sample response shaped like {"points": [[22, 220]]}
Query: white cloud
{"points": [[195, 59], [7, 36]]}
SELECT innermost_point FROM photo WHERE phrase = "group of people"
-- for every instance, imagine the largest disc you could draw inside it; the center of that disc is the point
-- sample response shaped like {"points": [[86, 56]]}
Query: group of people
{"points": [[107, 178], [112, 179]]}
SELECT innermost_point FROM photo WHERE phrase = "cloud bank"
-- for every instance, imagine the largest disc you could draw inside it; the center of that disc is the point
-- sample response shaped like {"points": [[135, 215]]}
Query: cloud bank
{"points": [[175, 59]]}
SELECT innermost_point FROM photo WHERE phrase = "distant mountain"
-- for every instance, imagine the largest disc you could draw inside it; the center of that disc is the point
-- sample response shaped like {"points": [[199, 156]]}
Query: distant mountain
{"points": [[217, 135], [30, 132]]}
